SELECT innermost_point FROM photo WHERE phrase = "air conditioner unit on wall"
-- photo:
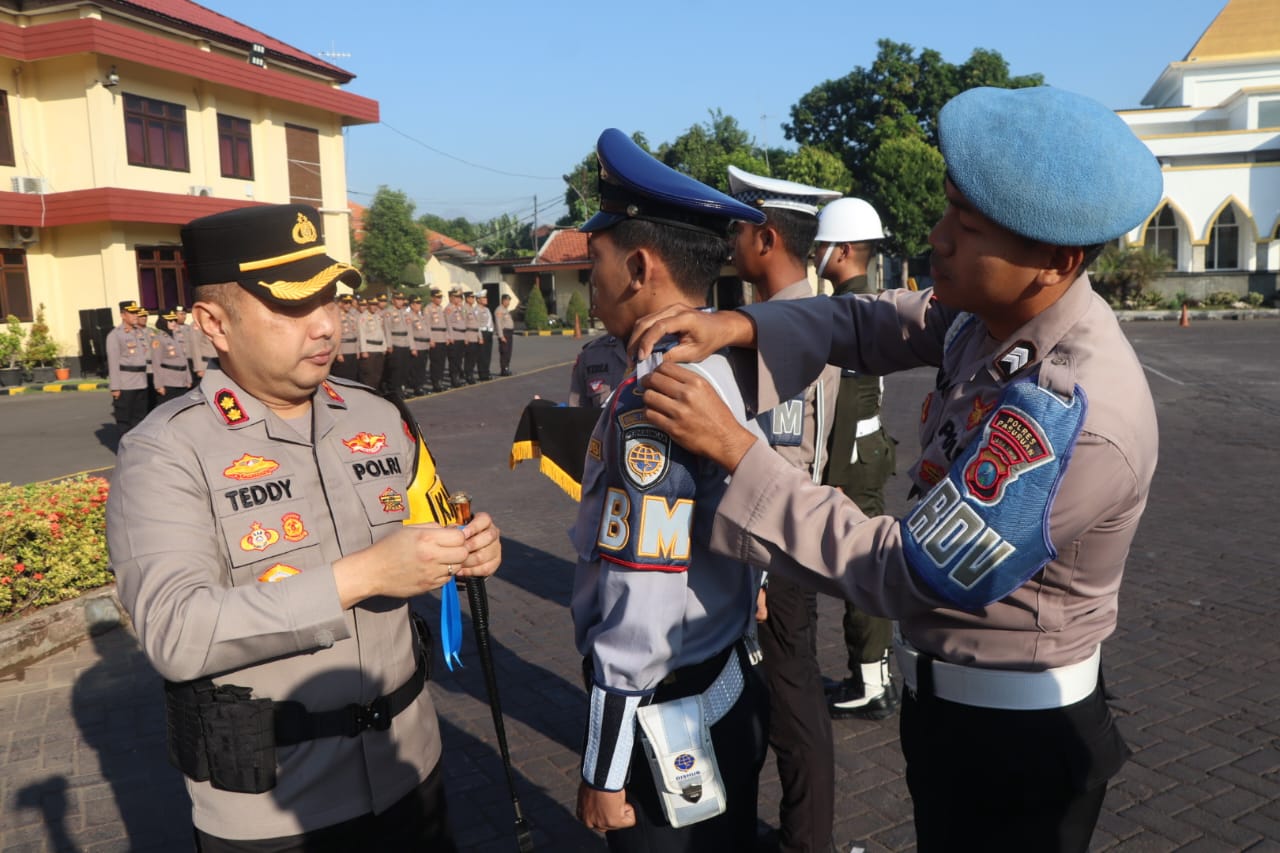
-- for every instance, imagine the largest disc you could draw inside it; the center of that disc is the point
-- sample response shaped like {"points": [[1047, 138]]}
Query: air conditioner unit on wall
{"points": [[23, 234], [201, 190], [30, 184]]}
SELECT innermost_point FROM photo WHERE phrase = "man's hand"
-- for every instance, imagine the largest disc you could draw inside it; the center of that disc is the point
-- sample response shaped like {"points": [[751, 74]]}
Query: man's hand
{"points": [[762, 606], [484, 547], [115, 395], [604, 810], [700, 333], [685, 406], [415, 559]]}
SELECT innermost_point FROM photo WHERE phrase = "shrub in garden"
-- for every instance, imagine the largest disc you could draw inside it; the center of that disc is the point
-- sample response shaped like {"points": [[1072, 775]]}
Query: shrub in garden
{"points": [[53, 542], [577, 308], [535, 310]]}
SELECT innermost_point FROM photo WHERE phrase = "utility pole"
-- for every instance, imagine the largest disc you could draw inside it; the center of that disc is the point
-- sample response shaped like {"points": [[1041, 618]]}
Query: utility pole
{"points": [[533, 233]]}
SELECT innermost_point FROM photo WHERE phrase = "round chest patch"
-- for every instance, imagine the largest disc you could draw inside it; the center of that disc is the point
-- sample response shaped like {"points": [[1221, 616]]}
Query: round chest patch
{"points": [[684, 762]]}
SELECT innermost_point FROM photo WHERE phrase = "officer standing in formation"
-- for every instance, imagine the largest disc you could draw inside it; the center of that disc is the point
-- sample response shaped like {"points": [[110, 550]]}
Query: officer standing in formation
{"points": [[506, 328], [439, 327], [1039, 444], [399, 356], [128, 354], [658, 625], [420, 335], [169, 364], [456, 321], [471, 352], [773, 257], [373, 344], [286, 608], [601, 366], [347, 362], [861, 456], [486, 335]]}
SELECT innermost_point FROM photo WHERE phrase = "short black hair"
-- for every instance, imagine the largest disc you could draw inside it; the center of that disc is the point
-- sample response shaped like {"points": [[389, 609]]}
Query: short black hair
{"points": [[694, 258], [796, 229]]}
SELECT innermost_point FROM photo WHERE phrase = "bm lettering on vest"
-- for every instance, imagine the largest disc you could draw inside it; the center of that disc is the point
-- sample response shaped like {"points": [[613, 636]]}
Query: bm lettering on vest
{"points": [[664, 529], [377, 467], [257, 495], [946, 528]]}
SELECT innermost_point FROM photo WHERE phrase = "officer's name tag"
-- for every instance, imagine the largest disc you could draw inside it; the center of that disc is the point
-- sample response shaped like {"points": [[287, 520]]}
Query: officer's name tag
{"points": [[983, 531]]}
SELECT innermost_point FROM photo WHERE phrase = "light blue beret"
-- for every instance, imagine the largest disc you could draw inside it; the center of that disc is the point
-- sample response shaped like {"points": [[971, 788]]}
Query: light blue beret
{"points": [[1049, 164]]}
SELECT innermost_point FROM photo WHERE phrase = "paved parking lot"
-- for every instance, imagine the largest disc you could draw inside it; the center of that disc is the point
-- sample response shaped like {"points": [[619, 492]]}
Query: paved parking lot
{"points": [[1194, 666]]}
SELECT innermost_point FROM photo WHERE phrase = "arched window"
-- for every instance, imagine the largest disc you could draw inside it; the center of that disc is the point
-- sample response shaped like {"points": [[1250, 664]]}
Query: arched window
{"points": [[1223, 252], [1162, 234]]}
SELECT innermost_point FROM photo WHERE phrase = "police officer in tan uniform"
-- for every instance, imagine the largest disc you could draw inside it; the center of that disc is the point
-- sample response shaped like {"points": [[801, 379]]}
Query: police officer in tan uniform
{"points": [[295, 689], [128, 355], [420, 336], [862, 456], [439, 328], [346, 363], [373, 344], [471, 350], [399, 336], [505, 328], [1039, 445], [485, 317], [456, 325], [169, 360], [773, 257], [601, 366]]}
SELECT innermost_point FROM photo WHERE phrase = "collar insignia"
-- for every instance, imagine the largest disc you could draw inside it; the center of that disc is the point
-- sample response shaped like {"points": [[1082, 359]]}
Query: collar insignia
{"points": [[1015, 358], [333, 395], [229, 405]]}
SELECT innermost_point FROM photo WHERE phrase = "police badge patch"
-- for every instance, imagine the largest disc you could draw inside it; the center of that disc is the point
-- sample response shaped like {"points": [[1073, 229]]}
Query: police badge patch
{"points": [[646, 455]]}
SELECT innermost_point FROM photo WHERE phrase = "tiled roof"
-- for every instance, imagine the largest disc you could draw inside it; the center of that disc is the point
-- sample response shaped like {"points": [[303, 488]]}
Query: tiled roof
{"points": [[1242, 28], [436, 241], [198, 17], [565, 247]]}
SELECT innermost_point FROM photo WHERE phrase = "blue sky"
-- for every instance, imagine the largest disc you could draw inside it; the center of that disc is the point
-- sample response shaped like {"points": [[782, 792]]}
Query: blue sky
{"points": [[525, 88]]}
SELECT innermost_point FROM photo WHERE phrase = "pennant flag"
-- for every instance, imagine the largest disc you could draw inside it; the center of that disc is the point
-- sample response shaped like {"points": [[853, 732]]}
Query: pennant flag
{"points": [[558, 436]]}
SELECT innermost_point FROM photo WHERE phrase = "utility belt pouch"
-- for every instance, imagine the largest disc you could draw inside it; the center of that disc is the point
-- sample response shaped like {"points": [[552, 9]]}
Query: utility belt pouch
{"points": [[217, 734], [677, 742], [185, 735], [241, 739]]}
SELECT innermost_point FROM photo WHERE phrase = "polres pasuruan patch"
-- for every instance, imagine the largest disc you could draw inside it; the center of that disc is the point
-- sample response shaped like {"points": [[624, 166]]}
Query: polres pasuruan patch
{"points": [[983, 530]]}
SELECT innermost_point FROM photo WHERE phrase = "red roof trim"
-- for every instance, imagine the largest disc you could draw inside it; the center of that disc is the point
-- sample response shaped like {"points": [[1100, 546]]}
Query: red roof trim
{"points": [[109, 204], [64, 38]]}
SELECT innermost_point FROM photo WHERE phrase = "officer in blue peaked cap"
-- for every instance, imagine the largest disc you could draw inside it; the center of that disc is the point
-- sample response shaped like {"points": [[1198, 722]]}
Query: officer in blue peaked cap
{"points": [[657, 617], [1038, 447]]}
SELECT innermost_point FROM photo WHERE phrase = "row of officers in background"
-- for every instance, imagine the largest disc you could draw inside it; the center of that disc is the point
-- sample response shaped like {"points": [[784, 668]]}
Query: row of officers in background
{"points": [[405, 347], [413, 348]]}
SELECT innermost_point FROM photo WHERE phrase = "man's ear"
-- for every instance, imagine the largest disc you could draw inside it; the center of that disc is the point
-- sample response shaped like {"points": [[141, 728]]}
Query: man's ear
{"points": [[639, 266], [1062, 266], [212, 319]]}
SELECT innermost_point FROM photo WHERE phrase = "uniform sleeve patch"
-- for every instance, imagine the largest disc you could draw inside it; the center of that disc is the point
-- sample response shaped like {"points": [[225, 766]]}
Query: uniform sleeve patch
{"points": [[646, 456]]}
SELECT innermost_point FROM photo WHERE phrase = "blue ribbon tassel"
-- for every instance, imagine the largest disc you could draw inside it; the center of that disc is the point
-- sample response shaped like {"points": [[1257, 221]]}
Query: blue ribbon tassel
{"points": [[450, 624]]}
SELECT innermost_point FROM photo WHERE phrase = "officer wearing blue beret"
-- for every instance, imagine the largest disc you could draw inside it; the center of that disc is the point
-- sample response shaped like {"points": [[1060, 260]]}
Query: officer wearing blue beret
{"points": [[1038, 448], [676, 731]]}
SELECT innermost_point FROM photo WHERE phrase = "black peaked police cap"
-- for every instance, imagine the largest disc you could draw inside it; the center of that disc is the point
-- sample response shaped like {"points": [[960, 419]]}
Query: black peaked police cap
{"points": [[273, 251]]}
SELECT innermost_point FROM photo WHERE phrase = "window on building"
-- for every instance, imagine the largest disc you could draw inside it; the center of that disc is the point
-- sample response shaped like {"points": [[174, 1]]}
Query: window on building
{"points": [[302, 146], [6, 132], [1162, 234], [155, 133], [1269, 114], [15, 294], [235, 147], [1223, 252], [162, 281]]}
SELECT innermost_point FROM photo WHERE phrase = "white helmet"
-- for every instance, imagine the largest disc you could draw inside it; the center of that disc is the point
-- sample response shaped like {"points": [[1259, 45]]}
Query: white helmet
{"points": [[848, 220]]}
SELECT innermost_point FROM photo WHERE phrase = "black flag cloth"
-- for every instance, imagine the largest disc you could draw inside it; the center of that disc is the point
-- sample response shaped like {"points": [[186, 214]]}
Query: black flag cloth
{"points": [[558, 436]]}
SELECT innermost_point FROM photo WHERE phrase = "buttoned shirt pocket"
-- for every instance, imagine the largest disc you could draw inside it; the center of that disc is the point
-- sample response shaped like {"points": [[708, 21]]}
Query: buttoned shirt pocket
{"points": [[270, 542]]}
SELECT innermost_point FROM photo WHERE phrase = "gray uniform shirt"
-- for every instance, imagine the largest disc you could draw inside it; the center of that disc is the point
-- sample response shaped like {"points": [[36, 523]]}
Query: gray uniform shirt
{"points": [[214, 497], [373, 333], [502, 317], [128, 356], [601, 366], [773, 515], [169, 362]]}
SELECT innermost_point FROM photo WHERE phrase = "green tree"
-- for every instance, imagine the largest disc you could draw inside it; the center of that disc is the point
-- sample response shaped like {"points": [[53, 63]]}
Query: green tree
{"points": [[535, 310], [41, 349], [459, 228], [813, 166], [705, 151], [1122, 275], [505, 236], [12, 337], [577, 307], [392, 240], [895, 103]]}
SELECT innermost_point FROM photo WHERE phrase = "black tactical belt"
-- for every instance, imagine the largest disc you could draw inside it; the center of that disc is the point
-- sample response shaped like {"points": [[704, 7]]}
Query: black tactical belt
{"points": [[182, 366], [399, 334], [375, 343], [134, 368], [349, 340], [295, 724]]}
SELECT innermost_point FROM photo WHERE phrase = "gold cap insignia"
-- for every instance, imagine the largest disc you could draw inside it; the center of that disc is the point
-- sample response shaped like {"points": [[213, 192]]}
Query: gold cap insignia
{"points": [[304, 231]]}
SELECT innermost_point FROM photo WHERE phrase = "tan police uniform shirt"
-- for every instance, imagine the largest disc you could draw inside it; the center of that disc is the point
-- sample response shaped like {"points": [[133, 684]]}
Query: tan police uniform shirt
{"points": [[502, 320], [771, 514], [436, 323], [196, 584], [601, 366], [128, 356], [396, 321], [373, 332], [349, 343], [419, 331], [456, 322], [169, 362], [471, 316]]}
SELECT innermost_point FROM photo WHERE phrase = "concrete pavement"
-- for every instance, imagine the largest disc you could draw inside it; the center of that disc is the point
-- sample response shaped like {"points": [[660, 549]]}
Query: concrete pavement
{"points": [[1194, 666]]}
